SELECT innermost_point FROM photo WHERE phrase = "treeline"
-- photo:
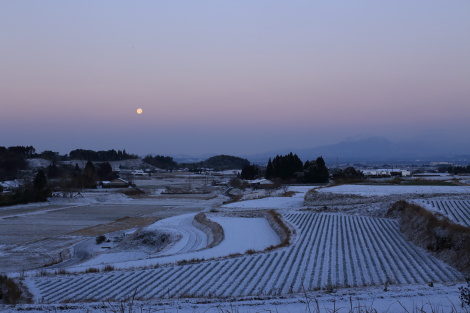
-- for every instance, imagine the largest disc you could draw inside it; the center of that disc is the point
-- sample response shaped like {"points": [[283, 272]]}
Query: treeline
{"points": [[12, 160], [160, 161], [33, 191], [290, 168], [97, 171], [455, 169], [64, 177], [349, 175], [217, 163], [109, 155]]}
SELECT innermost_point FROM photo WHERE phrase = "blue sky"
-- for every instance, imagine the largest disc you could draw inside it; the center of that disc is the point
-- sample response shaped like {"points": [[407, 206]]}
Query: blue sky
{"points": [[236, 78]]}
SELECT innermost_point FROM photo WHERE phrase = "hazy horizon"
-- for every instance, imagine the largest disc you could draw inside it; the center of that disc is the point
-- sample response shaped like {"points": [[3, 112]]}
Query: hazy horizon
{"points": [[231, 78]]}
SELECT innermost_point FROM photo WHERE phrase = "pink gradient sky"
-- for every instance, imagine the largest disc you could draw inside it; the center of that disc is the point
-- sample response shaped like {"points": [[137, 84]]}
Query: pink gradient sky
{"points": [[237, 78]]}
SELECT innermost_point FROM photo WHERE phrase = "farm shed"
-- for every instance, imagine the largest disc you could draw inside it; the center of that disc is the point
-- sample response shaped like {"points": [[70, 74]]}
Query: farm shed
{"points": [[116, 183], [260, 183]]}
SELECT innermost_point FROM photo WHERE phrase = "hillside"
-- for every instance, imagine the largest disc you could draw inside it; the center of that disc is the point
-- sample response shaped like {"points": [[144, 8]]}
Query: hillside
{"points": [[222, 162]]}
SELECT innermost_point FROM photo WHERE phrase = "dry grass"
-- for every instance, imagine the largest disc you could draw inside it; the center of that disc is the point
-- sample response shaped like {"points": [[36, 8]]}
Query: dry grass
{"points": [[288, 193], [447, 240], [191, 261], [282, 229], [132, 192], [108, 268], [92, 270], [120, 224]]}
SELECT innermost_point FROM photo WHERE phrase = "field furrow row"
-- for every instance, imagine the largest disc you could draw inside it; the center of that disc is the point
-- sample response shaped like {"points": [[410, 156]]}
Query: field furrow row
{"points": [[329, 251]]}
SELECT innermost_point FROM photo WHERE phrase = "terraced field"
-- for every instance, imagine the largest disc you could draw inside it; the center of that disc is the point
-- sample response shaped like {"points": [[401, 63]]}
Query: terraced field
{"points": [[329, 251], [456, 210]]}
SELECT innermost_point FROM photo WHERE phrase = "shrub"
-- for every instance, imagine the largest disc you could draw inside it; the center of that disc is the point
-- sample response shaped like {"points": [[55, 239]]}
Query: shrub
{"points": [[108, 268], [92, 270], [465, 293], [100, 239], [192, 261], [10, 291]]}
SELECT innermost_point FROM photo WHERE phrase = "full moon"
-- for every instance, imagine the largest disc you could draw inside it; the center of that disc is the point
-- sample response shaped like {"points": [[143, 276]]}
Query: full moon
{"points": [[139, 111]]}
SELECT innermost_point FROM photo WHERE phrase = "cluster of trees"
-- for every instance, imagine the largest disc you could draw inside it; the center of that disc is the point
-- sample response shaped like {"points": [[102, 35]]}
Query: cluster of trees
{"points": [[160, 161], [110, 155], [217, 163], [34, 191], [24, 151], [290, 167], [284, 167], [455, 169], [224, 162], [347, 175], [250, 172], [316, 171], [67, 176], [12, 160]]}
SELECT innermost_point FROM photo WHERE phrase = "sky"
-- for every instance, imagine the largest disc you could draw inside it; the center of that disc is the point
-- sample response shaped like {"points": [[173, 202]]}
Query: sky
{"points": [[231, 77]]}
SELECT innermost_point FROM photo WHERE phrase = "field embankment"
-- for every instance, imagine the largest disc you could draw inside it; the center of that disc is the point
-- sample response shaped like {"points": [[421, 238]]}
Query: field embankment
{"points": [[213, 230], [448, 241], [281, 229]]}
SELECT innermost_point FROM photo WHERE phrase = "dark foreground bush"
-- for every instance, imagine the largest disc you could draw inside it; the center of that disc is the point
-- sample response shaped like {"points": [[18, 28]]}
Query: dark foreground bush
{"points": [[10, 291], [100, 239], [465, 293], [448, 241]]}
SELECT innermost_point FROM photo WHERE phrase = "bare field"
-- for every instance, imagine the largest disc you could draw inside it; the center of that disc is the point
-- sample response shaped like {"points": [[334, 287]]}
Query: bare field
{"points": [[120, 224], [35, 235]]}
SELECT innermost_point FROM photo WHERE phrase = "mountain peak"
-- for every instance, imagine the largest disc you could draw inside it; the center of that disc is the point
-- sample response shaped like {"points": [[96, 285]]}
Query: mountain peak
{"points": [[366, 139]]}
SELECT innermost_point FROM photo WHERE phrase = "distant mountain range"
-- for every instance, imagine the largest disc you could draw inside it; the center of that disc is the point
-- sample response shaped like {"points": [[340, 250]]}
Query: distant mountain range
{"points": [[370, 150], [378, 150]]}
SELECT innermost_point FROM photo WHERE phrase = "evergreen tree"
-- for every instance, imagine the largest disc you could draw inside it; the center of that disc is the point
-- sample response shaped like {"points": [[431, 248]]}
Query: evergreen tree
{"points": [[76, 170], [104, 171], [269, 169], [40, 181], [249, 172], [316, 172], [89, 175], [286, 167], [53, 171]]}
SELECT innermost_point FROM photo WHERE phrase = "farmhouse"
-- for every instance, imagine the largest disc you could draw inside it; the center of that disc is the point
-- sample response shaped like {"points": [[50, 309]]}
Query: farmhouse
{"points": [[138, 172], [9, 186]]}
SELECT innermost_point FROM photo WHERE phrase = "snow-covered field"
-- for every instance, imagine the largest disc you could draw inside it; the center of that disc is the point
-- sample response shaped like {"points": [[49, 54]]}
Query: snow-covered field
{"points": [[241, 234], [336, 259], [421, 298], [294, 202], [457, 211], [330, 251], [384, 190]]}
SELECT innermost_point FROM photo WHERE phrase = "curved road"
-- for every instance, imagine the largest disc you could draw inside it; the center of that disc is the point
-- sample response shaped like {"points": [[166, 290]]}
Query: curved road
{"points": [[81, 252], [192, 238]]}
